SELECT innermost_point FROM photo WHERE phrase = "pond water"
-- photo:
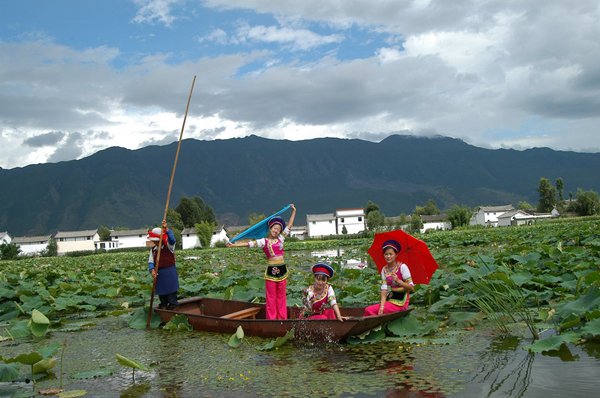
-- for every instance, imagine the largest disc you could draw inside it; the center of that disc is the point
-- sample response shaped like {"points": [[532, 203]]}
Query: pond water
{"points": [[472, 363]]}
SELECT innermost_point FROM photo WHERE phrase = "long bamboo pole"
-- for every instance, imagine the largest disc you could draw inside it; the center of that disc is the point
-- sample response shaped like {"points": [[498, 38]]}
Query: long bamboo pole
{"points": [[167, 205]]}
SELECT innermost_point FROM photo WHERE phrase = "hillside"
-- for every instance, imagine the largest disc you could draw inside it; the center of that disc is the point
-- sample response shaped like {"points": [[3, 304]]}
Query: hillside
{"points": [[128, 188]]}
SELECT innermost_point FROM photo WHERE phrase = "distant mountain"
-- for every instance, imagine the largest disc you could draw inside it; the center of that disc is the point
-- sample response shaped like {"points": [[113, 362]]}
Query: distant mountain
{"points": [[123, 188]]}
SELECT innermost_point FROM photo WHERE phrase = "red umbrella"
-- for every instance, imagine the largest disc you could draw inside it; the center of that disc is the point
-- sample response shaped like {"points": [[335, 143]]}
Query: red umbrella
{"points": [[414, 253]]}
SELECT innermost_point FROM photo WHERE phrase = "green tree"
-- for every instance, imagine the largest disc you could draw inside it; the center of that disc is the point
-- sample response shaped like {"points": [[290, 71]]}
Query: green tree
{"points": [[415, 223], [9, 251], [205, 233], [588, 203], [560, 186], [104, 233], [370, 207], [175, 225], [524, 205], [344, 230], [547, 196], [189, 211], [430, 209], [254, 218], [51, 249], [375, 220], [459, 216]]}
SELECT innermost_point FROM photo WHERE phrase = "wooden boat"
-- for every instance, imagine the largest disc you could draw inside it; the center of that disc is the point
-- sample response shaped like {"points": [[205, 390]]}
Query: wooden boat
{"points": [[224, 316]]}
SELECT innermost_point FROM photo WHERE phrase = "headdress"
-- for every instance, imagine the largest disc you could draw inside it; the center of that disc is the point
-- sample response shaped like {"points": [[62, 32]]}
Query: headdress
{"points": [[393, 244], [324, 269], [154, 235], [277, 220]]}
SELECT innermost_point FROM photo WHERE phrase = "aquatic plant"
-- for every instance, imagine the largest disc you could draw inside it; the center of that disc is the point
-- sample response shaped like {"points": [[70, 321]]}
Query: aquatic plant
{"points": [[131, 363]]}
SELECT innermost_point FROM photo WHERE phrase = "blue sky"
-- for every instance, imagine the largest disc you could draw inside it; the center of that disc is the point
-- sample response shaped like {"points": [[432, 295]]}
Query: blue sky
{"points": [[80, 76]]}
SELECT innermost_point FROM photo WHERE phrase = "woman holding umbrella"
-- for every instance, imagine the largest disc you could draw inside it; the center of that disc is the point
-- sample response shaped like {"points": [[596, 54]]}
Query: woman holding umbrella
{"points": [[396, 282]]}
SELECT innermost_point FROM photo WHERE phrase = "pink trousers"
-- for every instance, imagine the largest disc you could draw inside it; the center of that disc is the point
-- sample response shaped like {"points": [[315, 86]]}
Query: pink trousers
{"points": [[387, 308], [327, 314], [276, 299]]}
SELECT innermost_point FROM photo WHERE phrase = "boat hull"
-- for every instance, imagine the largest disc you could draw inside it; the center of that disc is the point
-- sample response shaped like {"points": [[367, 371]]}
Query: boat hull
{"points": [[206, 314]]}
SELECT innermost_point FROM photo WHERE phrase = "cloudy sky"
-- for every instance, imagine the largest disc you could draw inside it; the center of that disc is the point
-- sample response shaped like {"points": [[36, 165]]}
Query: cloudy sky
{"points": [[80, 76]]}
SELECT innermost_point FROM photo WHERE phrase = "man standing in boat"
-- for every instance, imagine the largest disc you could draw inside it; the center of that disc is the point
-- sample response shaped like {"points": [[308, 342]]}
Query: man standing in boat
{"points": [[276, 272], [167, 280]]}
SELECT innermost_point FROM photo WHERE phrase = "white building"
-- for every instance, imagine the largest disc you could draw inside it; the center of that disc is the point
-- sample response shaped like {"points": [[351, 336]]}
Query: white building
{"points": [[435, 222], [488, 215], [299, 232], [189, 237], [5, 238], [32, 245], [352, 219], [321, 225], [523, 217], [73, 241], [125, 239]]}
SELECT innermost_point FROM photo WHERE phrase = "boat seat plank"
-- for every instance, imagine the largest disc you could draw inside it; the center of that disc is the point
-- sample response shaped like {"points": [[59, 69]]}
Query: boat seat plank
{"points": [[246, 313]]}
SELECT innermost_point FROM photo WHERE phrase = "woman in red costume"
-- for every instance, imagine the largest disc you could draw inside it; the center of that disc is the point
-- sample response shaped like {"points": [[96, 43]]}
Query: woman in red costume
{"points": [[396, 282], [321, 295], [276, 273]]}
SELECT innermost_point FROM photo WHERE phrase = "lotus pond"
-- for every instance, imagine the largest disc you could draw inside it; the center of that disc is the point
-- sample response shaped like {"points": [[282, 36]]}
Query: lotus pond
{"points": [[511, 312]]}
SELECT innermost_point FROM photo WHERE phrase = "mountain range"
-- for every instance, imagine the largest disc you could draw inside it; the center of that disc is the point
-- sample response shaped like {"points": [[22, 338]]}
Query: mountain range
{"points": [[118, 187]]}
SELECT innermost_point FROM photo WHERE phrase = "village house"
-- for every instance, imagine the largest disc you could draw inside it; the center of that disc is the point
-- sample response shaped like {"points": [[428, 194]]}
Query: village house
{"points": [[436, 222], [32, 245], [189, 237], [320, 225], [125, 239], [299, 232], [73, 241], [5, 238], [523, 217], [488, 215], [352, 219]]}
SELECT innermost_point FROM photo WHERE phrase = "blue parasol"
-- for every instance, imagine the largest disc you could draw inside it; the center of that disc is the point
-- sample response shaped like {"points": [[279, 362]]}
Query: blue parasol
{"points": [[259, 230]]}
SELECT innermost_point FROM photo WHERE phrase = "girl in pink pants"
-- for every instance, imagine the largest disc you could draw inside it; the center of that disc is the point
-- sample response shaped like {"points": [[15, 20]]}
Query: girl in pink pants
{"points": [[320, 295], [276, 273]]}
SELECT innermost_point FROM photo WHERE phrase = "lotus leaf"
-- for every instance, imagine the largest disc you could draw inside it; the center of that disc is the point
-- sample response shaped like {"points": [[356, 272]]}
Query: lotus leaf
{"points": [[591, 329], [26, 359], [465, 319], [131, 363], [552, 343], [178, 322], [8, 371], [44, 365], [19, 329], [139, 320], [278, 342], [411, 326], [370, 336], [590, 301]]}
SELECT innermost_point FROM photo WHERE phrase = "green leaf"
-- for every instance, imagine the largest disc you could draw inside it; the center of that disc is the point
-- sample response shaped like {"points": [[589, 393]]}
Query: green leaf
{"points": [[239, 332], [370, 336], [92, 374], [49, 350], [139, 320], [234, 341], [278, 342], [20, 329], [178, 322], [27, 359], [132, 363], [465, 319], [591, 329], [44, 365], [9, 371], [588, 302], [411, 326], [38, 317], [552, 343]]}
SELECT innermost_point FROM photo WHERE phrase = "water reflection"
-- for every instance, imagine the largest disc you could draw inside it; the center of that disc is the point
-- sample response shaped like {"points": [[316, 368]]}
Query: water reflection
{"points": [[346, 257]]}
